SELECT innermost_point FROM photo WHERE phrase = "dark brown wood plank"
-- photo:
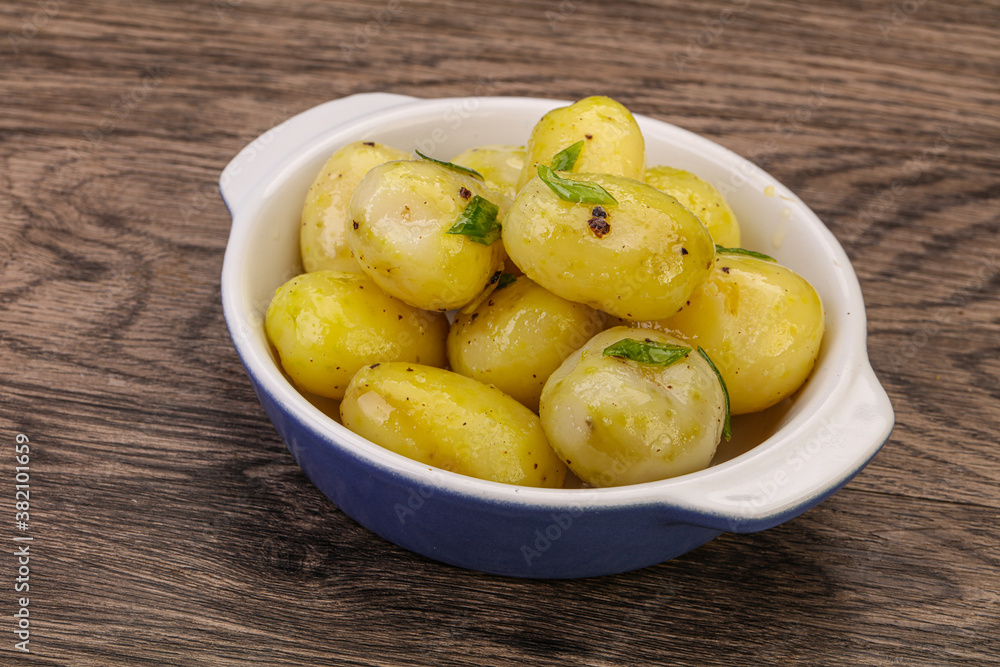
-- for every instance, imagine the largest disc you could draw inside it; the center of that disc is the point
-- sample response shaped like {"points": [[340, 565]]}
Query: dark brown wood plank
{"points": [[174, 528]]}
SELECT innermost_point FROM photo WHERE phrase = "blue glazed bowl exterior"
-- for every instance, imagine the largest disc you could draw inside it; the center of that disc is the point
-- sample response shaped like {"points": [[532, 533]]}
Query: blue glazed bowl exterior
{"points": [[521, 540]]}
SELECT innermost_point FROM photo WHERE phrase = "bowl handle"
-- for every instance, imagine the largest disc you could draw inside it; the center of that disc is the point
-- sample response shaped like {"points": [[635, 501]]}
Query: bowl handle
{"points": [[778, 483], [240, 177]]}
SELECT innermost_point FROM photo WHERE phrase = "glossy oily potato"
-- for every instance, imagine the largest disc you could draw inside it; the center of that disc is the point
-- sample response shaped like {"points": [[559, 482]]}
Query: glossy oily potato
{"points": [[613, 143], [615, 421], [449, 421], [401, 213], [500, 166], [326, 212], [702, 199], [518, 337], [761, 323], [326, 325], [639, 259]]}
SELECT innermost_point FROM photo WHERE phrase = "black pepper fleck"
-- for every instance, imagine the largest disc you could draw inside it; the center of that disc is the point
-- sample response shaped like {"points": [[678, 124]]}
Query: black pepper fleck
{"points": [[465, 192], [599, 226], [684, 251], [369, 143]]}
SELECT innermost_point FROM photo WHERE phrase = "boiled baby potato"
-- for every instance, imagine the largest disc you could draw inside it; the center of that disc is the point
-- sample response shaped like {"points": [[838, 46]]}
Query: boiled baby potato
{"points": [[326, 325], [619, 420], [518, 337], [702, 199], [407, 222], [638, 259], [760, 322], [499, 165], [326, 213], [612, 141], [447, 420]]}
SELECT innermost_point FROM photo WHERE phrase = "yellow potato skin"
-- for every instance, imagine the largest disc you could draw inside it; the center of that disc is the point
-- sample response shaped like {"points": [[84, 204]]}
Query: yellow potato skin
{"points": [[518, 337], [326, 325], [613, 143], [761, 323], [500, 166], [616, 422], [401, 213], [447, 420], [326, 211], [645, 267], [702, 199]]}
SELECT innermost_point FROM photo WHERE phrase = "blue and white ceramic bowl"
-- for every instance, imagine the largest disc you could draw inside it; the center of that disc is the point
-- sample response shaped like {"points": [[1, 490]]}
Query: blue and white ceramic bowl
{"points": [[806, 448]]}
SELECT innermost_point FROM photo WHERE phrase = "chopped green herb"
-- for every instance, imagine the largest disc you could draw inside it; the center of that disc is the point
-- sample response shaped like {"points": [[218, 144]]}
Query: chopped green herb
{"points": [[452, 166], [647, 351], [478, 221], [727, 429], [744, 251], [580, 192], [506, 279], [566, 159]]}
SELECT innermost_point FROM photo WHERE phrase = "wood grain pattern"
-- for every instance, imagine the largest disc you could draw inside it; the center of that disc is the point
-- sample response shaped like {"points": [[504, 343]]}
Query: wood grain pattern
{"points": [[172, 526]]}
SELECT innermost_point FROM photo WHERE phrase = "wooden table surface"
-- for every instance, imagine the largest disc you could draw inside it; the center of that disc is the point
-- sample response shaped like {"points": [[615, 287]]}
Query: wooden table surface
{"points": [[171, 526]]}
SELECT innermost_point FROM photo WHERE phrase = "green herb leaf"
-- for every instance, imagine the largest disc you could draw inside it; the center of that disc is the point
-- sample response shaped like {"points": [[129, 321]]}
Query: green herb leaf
{"points": [[478, 221], [647, 351], [506, 279], [452, 166], [566, 159], [744, 251], [727, 429], [580, 192]]}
